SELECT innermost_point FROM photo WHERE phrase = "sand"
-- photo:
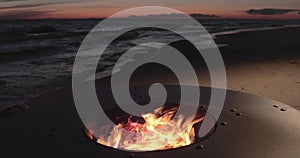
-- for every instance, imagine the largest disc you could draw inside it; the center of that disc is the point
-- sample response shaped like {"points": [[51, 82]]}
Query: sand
{"points": [[278, 80], [271, 67]]}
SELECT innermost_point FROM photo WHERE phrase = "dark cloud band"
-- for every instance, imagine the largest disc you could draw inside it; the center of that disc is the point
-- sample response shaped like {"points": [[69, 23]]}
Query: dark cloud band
{"points": [[270, 11]]}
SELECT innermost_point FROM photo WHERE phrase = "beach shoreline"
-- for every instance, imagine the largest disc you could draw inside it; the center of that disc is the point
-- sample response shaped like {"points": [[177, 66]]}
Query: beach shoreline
{"points": [[268, 69]]}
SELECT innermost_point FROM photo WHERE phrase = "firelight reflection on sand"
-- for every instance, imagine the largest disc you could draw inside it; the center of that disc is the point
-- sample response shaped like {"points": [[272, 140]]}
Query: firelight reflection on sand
{"points": [[160, 131]]}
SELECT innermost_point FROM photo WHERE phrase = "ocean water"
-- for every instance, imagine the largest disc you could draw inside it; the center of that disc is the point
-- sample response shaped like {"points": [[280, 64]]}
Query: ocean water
{"points": [[37, 55]]}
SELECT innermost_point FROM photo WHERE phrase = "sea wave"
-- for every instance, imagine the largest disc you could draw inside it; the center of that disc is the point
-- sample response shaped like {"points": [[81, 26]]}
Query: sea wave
{"points": [[38, 55]]}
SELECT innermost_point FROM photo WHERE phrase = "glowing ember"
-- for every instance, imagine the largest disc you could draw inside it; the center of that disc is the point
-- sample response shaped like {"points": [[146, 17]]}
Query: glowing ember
{"points": [[159, 131]]}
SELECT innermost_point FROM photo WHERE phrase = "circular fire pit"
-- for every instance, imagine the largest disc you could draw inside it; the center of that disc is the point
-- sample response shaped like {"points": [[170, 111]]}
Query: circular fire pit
{"points": [[153, 131], [249, 126]]}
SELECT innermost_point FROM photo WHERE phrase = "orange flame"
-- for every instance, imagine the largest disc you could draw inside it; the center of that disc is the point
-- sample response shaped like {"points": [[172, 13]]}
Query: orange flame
{"points": [[160, 131]]}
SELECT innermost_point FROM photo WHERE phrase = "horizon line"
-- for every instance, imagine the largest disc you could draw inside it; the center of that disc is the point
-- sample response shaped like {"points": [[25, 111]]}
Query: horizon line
{"points": [[101, 18]]}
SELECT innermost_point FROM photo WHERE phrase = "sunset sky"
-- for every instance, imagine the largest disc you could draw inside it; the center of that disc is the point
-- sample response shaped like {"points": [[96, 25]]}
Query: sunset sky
{"points": [[31, 9]]}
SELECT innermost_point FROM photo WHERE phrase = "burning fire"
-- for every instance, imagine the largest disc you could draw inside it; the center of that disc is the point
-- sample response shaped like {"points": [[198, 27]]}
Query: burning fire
{"points": [[159, 131]]}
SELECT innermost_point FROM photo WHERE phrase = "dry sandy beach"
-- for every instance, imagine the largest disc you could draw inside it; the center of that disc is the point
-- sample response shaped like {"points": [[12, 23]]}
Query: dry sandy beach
{"points": [[276, 79], [265, 63]]}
